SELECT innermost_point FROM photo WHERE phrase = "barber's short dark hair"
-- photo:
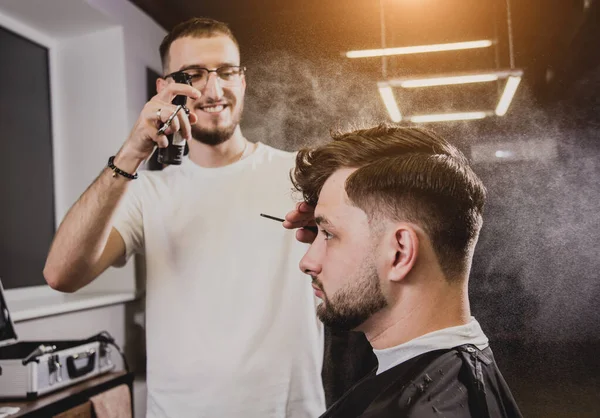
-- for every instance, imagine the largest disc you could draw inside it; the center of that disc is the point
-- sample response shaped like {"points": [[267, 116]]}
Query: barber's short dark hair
{"points": [[197, 27], [404, 174]]}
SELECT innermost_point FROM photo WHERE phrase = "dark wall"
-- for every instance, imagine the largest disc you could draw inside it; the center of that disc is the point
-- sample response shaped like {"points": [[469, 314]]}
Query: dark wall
{"points": [[535, 273], [26, 176]]}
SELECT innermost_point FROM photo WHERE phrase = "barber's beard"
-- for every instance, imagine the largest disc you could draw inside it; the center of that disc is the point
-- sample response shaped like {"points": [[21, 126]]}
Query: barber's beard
{"points": [[218, 134], [354, 304]]}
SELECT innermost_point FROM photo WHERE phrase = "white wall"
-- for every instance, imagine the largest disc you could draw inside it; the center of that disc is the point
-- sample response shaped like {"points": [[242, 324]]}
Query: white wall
{"points": [[58, 19], [141, 36], [91, 76], [99, 51]]}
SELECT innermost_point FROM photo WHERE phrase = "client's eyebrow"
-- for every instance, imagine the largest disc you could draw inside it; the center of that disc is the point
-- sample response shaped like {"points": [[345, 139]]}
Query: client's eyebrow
{"points": [[322, 220]]}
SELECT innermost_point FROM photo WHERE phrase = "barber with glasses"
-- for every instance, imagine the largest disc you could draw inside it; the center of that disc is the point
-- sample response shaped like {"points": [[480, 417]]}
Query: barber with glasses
{"points": [[230, 321], [227, 74]]}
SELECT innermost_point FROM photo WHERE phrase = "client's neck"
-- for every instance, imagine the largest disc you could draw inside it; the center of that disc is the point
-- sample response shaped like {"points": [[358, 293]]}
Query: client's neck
{"points": [[419, 310]]}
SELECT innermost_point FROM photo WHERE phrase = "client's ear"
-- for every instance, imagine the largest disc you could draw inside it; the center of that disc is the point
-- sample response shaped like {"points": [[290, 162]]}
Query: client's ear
{"points": [[402, 249]]}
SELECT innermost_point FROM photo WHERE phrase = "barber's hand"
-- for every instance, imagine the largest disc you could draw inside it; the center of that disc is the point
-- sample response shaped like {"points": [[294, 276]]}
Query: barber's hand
{"points": [[144, 135], [303, 215]]}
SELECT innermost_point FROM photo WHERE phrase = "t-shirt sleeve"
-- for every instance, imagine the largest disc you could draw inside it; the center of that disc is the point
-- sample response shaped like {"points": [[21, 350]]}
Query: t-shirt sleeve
{"points": [[128, 219]]}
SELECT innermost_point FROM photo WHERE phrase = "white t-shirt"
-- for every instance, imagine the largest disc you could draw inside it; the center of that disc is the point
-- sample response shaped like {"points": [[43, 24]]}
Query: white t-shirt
{"points": [[230, 320]]}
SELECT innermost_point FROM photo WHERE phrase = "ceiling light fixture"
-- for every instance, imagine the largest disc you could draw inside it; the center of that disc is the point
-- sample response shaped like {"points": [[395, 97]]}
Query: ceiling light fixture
{"points": [[387, 95], [513, 78], [419, 49], [444, 117], [512, 75], [446, 81], [509, 92]]}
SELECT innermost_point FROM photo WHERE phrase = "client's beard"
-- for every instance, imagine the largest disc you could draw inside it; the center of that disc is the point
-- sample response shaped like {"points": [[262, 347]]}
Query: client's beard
{"points": [[355, 303]]}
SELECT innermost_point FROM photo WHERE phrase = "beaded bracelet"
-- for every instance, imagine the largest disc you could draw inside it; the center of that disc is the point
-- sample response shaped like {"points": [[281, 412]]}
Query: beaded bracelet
{"points": [[117, 170]]}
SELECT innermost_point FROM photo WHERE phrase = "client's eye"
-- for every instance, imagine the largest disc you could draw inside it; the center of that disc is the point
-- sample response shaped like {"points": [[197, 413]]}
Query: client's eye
{"points": [[326, 234]]}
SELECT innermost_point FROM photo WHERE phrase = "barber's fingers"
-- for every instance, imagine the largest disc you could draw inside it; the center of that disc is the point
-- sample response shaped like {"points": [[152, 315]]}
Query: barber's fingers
{"points": [[161, 141], [302, 215], [304, 207], [172, 89], [185, 123], [146, 133], [157, 115], [306, 236], [165, 123], [299, 224], [153, 116], [170, 117]]}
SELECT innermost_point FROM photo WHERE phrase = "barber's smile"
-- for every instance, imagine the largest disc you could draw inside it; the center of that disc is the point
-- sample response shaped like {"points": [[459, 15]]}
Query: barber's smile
{"points": [[213, 108]]}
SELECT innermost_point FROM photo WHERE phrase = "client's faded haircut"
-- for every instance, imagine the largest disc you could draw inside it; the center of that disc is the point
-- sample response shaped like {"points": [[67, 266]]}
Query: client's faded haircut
{"points": [[403, 174]]}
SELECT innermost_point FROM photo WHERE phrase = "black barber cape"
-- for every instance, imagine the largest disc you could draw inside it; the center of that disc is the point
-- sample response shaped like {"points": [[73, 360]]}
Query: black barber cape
{"points": [[457, 383]]}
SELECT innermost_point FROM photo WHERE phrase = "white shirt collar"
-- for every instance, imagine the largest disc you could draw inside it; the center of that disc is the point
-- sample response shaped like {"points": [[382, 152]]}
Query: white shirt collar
{"points": [[470, 333]]}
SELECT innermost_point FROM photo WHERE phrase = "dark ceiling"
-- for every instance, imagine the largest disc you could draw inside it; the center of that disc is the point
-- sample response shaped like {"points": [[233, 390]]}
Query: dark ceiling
{"points": [[555, 41]]}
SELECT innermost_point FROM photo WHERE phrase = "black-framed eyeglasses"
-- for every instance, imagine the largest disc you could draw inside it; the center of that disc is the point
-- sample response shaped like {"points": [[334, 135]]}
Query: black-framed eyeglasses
{"points": [[198, 76]]}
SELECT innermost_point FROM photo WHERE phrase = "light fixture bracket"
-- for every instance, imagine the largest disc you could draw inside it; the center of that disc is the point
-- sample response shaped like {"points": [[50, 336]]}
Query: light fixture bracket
{"points": [[513, 77]]}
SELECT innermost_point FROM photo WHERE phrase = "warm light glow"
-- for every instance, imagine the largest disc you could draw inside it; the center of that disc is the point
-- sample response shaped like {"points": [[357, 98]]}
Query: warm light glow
{"points": [[390, 103], [509, 92], [419, 49], [445, 81], [443, 117]]}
